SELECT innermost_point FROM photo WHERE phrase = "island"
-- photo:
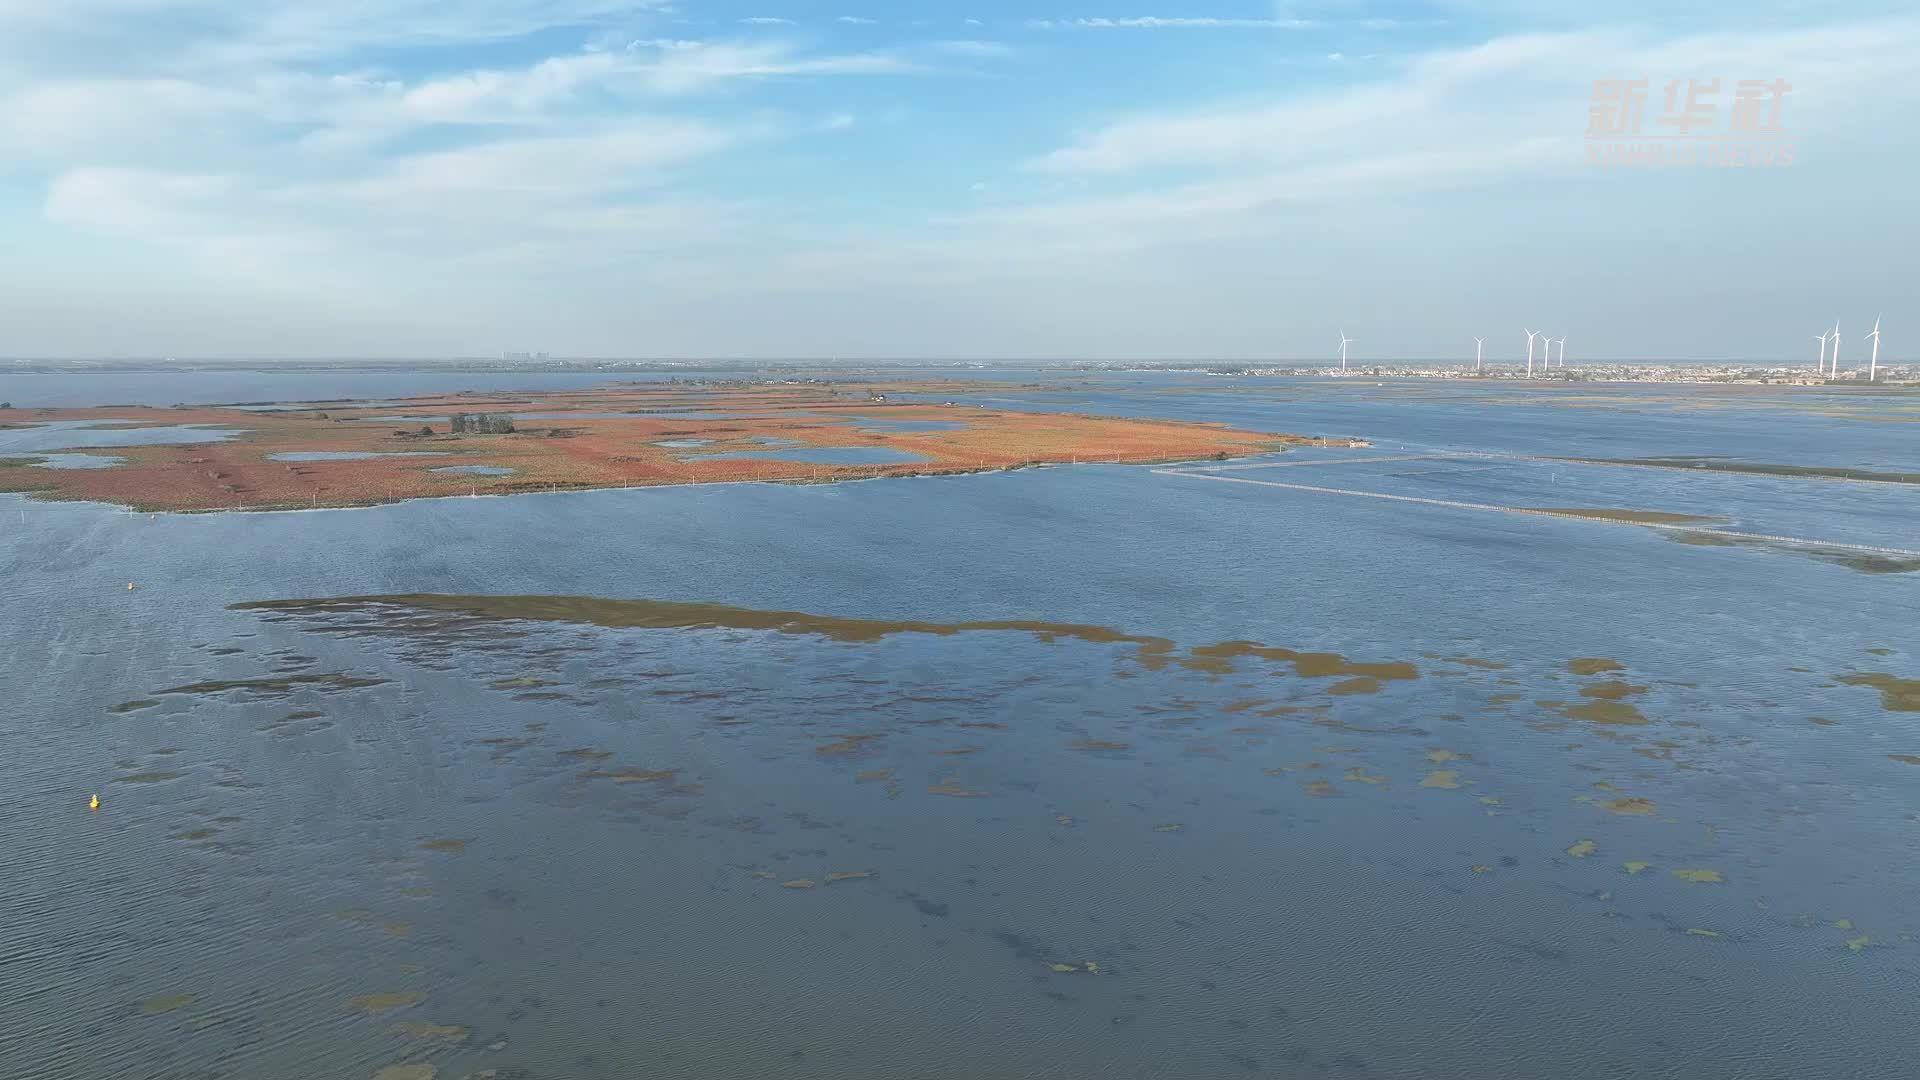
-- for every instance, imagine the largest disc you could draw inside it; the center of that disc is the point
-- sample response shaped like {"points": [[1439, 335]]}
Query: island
{"points": [[312, 454]]}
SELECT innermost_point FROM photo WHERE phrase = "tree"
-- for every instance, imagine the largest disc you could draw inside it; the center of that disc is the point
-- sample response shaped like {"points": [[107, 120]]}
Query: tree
{"points": [[482, 424]]}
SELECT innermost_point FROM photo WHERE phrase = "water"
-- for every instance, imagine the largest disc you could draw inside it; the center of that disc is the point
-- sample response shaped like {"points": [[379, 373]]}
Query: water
{"points": [[261, 387], [1254, 902], [474, 470], [78, 461], [33, 437]]}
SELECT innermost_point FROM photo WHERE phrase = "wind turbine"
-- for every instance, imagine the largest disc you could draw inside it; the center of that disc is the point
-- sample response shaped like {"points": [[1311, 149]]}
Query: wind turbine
{"points": [[1873, 365], [1344, 342], [1821, 337], [1530, 336], [1836, 348], [1563, 352], [1478, 344]]}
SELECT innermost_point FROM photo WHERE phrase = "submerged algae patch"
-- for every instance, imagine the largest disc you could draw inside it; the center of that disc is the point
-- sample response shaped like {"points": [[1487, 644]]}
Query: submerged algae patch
{"points": [[846, 744], [1602, 711], [1612, 690], [630, 775], [419, 1029], [1636, 517], [1594, 665], [149, 778], [1758, 468], [165, 1003], [1700, 877], [377, 1003], [330, 683], [462, 613], [1896, 694], [951, 787]]}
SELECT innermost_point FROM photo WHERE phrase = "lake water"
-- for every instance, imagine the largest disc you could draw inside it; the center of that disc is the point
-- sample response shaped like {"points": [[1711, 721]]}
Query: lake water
{"points": [[1149, 772]]}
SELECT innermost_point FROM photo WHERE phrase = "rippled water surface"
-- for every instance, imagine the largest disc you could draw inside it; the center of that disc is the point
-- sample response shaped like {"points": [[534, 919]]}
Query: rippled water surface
{"points": [[1085, 771]]}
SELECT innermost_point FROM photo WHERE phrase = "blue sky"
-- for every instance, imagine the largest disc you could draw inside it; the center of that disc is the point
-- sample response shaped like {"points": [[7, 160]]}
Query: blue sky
{"points": [[991, 178]]}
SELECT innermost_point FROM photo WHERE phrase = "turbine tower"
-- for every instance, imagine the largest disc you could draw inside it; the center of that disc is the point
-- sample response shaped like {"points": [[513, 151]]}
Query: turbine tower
{"points": [[1821, 367], [1873, 365], [1344, 342], [1478, 344], [1836, 348], [1530, 336], [1563, 352]]}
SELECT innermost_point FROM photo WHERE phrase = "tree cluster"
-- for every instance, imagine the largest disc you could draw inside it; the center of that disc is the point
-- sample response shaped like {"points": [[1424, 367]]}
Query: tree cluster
{"points": [[482, 424]]}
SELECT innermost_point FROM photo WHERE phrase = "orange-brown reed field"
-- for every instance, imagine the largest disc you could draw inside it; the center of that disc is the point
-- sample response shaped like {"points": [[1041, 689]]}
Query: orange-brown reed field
{"points": [[573, 443]]}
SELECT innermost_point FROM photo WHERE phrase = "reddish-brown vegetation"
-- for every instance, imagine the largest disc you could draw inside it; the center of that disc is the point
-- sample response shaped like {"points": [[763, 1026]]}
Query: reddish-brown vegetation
{"points": [[587, 450]]}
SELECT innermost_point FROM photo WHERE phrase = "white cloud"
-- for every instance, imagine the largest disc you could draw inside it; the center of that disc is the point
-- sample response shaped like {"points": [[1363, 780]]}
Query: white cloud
{"points": [[1309, 182], [137, 201], [538, 168], [856, 20], [1505, 90], [253, 144], [982, 49], [1176, 22], [198, 36], [487, 95], [68, 116]]}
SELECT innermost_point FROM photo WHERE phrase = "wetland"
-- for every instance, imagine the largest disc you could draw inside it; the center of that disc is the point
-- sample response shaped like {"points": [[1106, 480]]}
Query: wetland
{"points": [[1034, 770]]}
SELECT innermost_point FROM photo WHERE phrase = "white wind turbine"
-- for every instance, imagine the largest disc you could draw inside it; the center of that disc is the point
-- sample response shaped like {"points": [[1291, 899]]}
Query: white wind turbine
{"points": [[1530, 336], [1344, 342], [1836, 348], [1563, 352], [1873, 365], [1821, 337], [1478, 344]]}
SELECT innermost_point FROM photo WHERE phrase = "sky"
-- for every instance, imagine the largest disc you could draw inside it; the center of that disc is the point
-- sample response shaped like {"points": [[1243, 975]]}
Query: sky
{"points": [[1217, 179]]}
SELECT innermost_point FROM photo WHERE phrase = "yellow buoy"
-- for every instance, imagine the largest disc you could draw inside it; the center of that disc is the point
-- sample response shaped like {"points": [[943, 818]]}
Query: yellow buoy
{"points": [[93, 803]]}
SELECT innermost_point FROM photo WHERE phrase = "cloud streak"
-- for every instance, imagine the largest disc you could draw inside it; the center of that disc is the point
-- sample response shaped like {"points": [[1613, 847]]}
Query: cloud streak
{"points": [[1170, 22]]}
